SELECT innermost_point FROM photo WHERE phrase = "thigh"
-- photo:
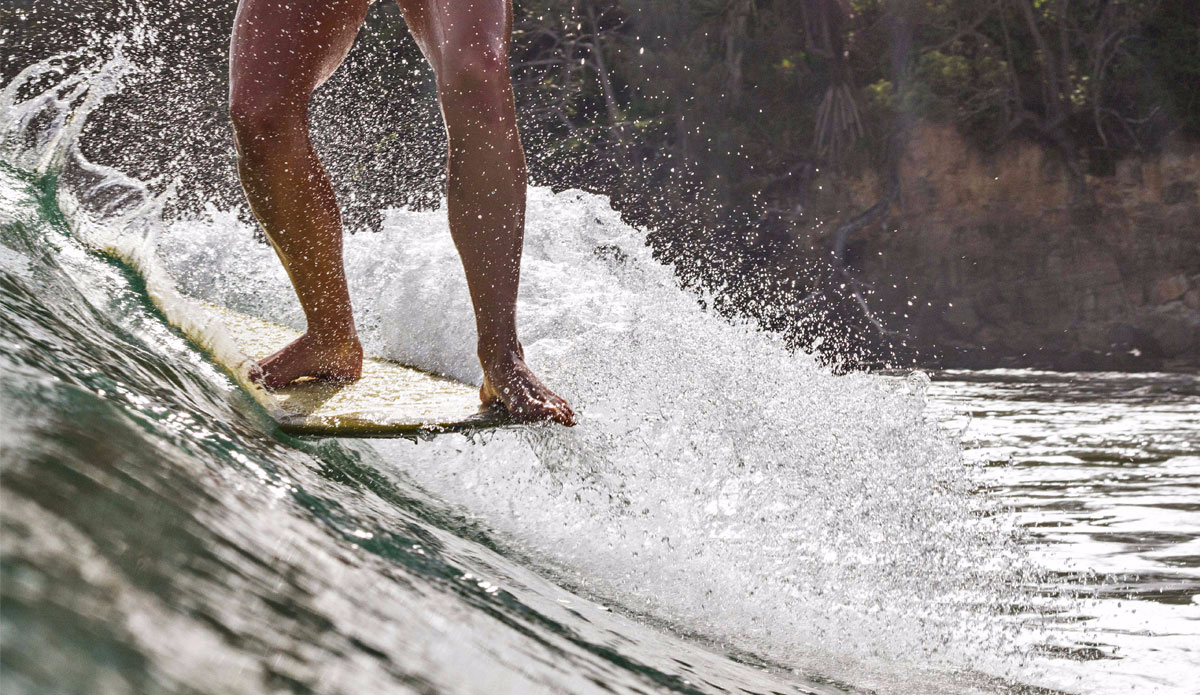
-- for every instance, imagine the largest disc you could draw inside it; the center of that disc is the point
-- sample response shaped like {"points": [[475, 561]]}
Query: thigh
{"points": [[445, 29], [289, 47]]}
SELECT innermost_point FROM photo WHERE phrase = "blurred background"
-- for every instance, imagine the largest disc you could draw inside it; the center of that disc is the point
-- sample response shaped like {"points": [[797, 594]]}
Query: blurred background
{"points": [[974, 183]]}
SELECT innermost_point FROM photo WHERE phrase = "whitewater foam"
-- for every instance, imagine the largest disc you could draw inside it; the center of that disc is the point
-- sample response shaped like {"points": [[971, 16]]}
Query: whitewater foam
{"points": [[716, 481]]}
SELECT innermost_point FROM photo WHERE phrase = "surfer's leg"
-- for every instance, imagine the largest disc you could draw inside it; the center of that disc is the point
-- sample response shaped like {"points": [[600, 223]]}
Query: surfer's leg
{"points": [[467, 43], [280, 52]]}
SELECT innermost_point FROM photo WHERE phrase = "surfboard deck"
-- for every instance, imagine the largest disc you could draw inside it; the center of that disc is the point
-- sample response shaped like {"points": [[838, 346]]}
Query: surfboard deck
{"points": [[390, 400]]}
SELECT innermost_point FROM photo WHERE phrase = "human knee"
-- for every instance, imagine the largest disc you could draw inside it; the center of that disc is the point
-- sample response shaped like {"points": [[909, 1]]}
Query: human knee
{"points": [[477, 70], [261, 119]]}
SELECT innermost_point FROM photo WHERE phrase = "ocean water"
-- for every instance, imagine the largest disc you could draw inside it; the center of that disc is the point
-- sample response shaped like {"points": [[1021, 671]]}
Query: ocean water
{"points": [[727, 517]]}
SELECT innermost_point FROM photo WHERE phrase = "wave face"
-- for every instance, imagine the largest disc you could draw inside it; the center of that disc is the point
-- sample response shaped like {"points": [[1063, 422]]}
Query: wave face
{"points": [[718, 485], [824, 511]]}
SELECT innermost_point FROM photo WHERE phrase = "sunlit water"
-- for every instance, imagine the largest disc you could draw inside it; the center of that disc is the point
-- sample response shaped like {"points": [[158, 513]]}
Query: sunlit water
{"points": [[728, 516], [1103, 469]]}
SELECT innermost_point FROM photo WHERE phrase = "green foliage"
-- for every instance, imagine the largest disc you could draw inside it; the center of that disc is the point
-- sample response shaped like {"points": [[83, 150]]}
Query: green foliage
{"points": [[718, 123], [1164, 59], [724, 116]]}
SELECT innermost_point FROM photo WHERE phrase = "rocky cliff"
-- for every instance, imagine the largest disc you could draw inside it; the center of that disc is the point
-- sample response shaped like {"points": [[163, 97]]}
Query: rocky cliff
{"points": [[1009, 261]]}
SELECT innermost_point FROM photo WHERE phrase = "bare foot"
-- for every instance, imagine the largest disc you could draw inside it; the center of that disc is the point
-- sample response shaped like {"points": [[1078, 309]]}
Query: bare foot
{"points": [[508, 383], [323, 359]]}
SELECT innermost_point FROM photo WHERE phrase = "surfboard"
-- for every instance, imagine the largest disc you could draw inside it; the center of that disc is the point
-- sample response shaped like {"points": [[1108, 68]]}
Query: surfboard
{"points": [[390, 399]]}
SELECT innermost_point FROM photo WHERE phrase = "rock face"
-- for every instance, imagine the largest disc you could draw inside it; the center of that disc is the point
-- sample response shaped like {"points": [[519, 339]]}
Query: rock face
{"points": [[1006, 263]]}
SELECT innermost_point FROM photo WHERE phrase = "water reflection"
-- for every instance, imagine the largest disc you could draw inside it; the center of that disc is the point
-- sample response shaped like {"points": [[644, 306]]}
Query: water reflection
{"points": [[1103, 470]]}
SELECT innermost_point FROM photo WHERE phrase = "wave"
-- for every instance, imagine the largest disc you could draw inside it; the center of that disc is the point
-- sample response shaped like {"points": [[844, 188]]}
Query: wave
{"points": [[717, 482]]}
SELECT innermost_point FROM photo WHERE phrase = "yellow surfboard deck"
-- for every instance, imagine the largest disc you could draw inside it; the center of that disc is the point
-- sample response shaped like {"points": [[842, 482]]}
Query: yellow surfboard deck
{"points": [[389, 400]]}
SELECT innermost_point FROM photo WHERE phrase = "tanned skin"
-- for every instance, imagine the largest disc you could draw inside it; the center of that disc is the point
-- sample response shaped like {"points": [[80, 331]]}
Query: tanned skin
{"points": [[281, 51]]}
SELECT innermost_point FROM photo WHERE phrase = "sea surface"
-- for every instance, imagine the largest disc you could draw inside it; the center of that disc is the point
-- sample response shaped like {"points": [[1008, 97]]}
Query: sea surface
{"points": [[728, 517]]}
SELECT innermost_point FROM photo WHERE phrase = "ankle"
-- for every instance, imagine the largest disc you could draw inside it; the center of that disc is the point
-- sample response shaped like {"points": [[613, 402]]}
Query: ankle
{"points": [[495, 351], [333, 335]]}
